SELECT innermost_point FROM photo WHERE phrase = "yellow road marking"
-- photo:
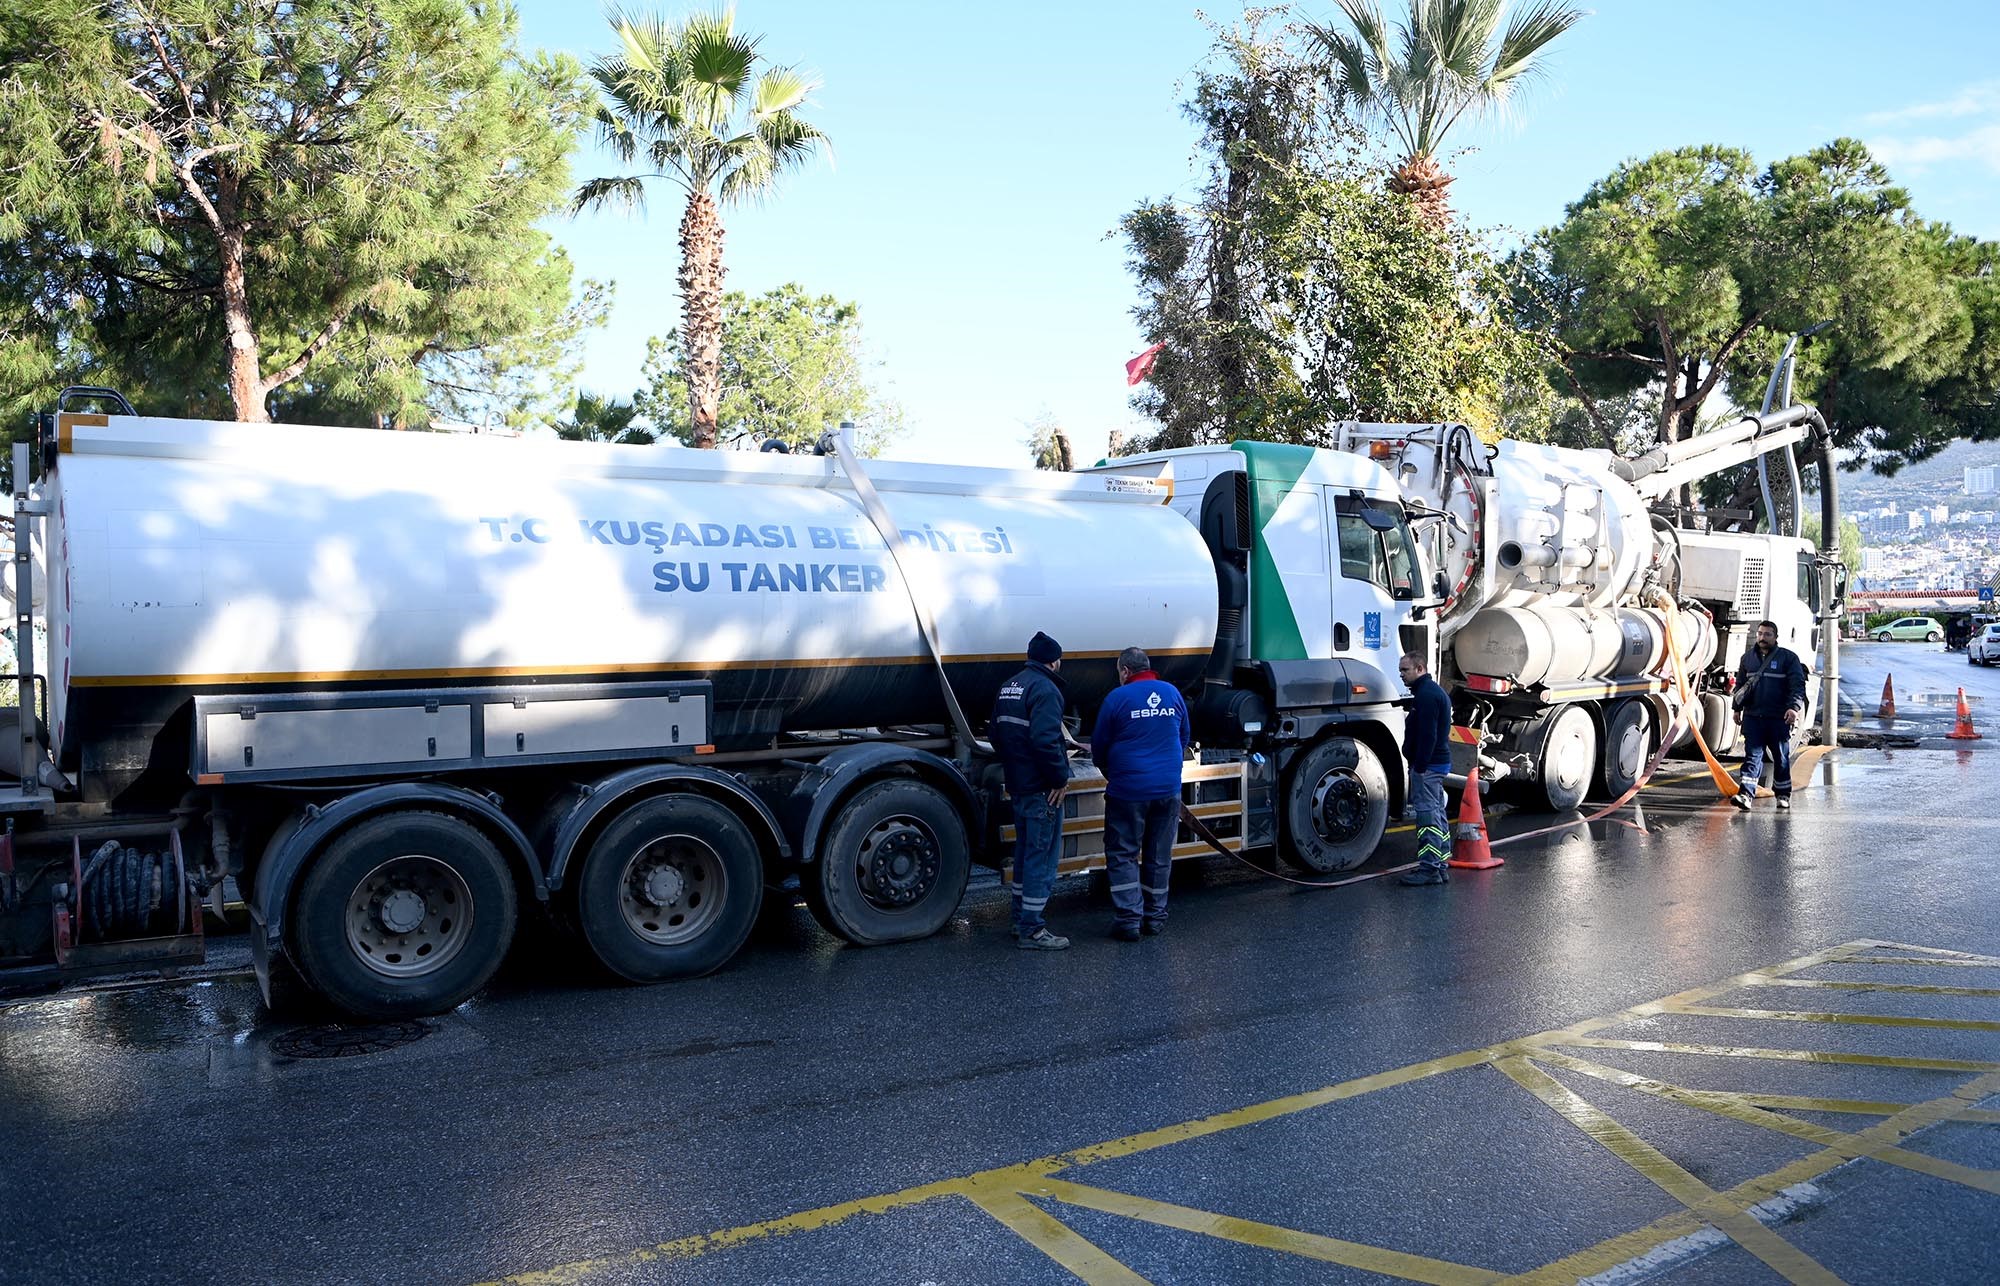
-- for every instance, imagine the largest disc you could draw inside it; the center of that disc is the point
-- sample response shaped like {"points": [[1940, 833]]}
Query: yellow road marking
{"points": [[1249, 1232], [1617, 1250], [1781, 1055], [999, 1192], [1732, 1107], [1936, 953], [1863, 1020], [1854, 1106], [1905, 988], [1919, 960], [1712, 1207], [1052, 1237]]}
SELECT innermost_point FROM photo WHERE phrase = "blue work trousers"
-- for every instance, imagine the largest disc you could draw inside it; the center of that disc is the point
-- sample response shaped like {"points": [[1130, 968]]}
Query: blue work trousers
{"points": [[1762, 733], [1138, 856], [1037, 849], [1427, 808]]}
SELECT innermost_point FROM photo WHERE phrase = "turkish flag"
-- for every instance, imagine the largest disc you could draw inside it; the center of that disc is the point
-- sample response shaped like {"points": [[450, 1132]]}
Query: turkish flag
{"points": [[1141, 366]]}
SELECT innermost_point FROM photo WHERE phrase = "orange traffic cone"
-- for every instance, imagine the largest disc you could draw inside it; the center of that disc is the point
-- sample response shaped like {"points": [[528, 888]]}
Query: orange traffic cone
{"points": [[1469, 849], [1964, 731], [1888, 707]]}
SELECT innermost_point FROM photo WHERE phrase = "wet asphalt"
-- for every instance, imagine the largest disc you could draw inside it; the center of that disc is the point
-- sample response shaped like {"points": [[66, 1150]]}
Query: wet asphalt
{"points": [[565, 1128]]}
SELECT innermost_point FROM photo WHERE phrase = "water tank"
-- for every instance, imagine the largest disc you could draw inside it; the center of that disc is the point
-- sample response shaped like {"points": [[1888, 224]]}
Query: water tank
{"points": [[192, 556]]}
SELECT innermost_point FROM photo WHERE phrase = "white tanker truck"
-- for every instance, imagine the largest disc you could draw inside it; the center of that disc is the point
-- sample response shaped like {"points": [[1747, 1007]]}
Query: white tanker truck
{"points": [[400, 686]]}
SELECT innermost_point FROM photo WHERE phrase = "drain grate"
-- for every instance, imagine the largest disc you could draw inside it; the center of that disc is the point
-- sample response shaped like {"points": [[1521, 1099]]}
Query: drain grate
{"points": [[338, 1041]]}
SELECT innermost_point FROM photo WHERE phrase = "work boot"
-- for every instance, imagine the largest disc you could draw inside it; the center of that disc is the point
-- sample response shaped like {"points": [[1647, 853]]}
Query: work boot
{"points": [[1425, 875], [1125, 932], [1042, 940], [1741, 799], [1784, 805], [1153, 928]]}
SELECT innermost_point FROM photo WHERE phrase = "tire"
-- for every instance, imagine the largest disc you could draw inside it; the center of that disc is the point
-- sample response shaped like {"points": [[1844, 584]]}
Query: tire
{"points": [[1336, 807], [893, 865], [1883, 637], [670, 889], [1566, 757], [1933, 637], [1627, 742], [405, 915]]}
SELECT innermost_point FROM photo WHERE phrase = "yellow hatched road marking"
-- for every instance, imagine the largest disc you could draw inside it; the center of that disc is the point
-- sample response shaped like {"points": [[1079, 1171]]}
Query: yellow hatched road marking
{"points": [[1733, 1107], [1935, 953], [1249, 1232], [1713, 1207], [1616, 1250], [1000, 1192], [1779, 1055], [1899, 988], [1052, 1237], [1863, 1020]]}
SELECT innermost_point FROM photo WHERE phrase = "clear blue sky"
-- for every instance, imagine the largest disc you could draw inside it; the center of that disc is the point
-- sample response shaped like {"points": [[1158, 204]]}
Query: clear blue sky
{"points": [[983, 156]]}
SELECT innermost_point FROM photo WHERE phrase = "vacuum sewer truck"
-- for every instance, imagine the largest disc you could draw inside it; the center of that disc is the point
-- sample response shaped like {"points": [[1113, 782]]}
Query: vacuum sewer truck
{"points": [[400, 687]]}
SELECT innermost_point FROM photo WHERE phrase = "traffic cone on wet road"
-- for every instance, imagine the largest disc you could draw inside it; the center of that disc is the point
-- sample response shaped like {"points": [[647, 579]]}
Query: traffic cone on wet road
{"points": [[1888, 707], [1964, 731], [1469, 849]]}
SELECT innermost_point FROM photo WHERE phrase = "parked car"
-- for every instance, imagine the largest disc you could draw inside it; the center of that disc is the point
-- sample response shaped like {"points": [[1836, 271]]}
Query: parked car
{"points": [[1985, 646], [1909, 627]]}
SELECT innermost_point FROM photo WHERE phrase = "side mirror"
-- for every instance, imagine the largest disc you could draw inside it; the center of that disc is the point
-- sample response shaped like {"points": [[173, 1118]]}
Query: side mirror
{"points": [[1378, 519]]}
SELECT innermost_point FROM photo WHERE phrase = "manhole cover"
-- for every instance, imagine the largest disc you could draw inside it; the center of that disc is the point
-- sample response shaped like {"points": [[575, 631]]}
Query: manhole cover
{"points": [[336, 1041]]}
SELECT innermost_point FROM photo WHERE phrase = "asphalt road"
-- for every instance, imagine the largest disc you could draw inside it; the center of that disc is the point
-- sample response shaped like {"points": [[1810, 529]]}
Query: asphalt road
{"points": [[1537, 1070], [1927, 680]]}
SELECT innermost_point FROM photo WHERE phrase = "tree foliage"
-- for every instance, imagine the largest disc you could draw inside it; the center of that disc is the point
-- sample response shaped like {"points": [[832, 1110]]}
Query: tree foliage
{"points": [[1446, 59], [1690, 268], [686, 102], [326, 205], [1296, 290], [792, 365]]}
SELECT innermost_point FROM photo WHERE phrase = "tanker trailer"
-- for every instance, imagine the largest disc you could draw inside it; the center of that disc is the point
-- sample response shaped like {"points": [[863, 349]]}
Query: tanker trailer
{"points": [[1568, 579], [399, 684]]}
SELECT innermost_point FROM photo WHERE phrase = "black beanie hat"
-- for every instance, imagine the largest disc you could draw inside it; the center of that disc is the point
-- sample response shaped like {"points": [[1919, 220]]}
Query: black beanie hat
{"points": [[1044, 650]]}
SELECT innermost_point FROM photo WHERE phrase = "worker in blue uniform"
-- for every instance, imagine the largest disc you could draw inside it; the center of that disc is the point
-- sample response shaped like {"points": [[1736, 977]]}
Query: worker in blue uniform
{"points": [[1141, 737], [1027, 734]]}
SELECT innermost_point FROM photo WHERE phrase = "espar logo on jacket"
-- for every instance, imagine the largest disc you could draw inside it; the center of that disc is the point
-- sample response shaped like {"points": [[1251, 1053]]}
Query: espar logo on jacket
{"points": [[1153, 708]]}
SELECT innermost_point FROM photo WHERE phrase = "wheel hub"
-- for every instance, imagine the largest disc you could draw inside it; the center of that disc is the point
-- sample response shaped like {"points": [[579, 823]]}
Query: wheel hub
{"points": [[401, 911], [1339, 806], [900, 868], [663, 885]]}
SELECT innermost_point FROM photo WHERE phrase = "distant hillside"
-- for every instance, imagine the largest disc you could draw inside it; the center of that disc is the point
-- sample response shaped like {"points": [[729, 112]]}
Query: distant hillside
{"points": [[1946, 468]]}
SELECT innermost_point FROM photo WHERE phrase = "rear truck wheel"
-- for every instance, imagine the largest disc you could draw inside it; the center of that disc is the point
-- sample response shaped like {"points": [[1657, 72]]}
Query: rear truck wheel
{"points": [[893, 866], [1567, 758], [405, 915], [670, 889], [1627, 738], [1336, 807]]}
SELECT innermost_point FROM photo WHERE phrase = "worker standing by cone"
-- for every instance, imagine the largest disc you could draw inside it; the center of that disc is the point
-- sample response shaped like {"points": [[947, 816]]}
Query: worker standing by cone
{"points": [[1427, 747]]}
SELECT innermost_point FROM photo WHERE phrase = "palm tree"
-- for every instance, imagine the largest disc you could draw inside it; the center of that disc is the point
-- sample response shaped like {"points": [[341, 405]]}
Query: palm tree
{"points": [[687, 102], [1449, 58]]}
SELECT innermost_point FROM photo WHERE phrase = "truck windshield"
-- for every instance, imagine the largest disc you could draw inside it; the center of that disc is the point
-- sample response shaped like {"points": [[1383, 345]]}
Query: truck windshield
{"points": [[1385, 557]]}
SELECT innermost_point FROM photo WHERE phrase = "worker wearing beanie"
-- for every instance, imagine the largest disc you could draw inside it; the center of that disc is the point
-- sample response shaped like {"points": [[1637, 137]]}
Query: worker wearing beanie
{"points": [[1028, 735], [1142, 734]]}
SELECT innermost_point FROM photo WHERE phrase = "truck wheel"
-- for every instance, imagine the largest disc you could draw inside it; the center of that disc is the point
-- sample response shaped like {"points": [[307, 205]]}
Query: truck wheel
{"points": [[407, 914], [1336, 807], [1567, 757], [1627, 738], [671, 889], [893, 865]]}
